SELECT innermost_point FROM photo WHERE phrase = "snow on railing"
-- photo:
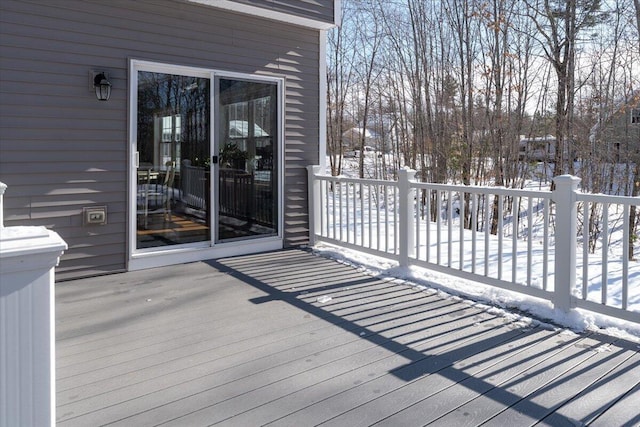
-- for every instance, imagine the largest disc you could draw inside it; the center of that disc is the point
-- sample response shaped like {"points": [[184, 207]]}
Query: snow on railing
{"points": [[521, 240]]}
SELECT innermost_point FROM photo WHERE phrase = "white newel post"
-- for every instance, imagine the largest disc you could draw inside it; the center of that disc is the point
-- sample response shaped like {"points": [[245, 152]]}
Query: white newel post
{"points": [[28, 256], [407, 230], [565, 243], [314, 203]]}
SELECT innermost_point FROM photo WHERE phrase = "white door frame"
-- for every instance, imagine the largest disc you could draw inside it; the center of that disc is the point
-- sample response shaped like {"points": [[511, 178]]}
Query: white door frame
{"points": [[178, 254]]}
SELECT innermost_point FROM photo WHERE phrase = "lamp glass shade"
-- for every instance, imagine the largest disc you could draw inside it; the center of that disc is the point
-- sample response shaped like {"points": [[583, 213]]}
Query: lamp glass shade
{"points": [[102, 87]]}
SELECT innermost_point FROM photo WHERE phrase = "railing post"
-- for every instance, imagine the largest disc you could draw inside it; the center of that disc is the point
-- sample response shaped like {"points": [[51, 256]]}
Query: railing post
{"points": [[314, 202], [27, 315], [406, 240], [564, 196]]}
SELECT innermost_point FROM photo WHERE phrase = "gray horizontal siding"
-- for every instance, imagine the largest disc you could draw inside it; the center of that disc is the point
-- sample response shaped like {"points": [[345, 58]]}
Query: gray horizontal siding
{"points": [[62, 150], [319, 10]]}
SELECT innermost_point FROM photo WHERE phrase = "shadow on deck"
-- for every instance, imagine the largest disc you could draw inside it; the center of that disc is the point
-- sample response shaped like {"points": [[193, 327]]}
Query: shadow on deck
{"points": [[289, 338]]}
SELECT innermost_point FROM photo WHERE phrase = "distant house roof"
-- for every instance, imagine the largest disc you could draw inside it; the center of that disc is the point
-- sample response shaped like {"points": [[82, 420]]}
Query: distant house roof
{"points": [[547, 138], [356, 132]]}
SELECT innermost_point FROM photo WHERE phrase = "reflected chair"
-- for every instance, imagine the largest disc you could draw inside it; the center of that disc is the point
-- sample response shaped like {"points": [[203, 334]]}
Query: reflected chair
{"points": [[155, 192]]}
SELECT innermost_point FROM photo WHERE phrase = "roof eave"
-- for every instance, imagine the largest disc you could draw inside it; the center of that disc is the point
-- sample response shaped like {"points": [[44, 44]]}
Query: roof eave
{"points": [[271, 14]]}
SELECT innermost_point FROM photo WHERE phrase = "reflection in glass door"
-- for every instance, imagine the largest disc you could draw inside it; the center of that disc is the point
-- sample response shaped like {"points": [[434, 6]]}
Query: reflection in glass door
{"points": [[247, 120], [173, 154]]}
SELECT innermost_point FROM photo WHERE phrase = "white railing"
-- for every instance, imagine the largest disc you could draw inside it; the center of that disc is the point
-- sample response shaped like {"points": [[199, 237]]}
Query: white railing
{"points": [[193, 185], [601, 266], [527, 241]]}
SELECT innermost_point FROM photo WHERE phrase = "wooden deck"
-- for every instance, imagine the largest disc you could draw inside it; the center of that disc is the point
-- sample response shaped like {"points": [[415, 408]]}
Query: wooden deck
{"points": [[256, 340]]}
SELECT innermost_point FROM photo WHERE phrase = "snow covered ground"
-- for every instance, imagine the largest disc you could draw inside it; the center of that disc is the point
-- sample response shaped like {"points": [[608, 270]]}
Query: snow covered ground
{"points": [[528, 309]]}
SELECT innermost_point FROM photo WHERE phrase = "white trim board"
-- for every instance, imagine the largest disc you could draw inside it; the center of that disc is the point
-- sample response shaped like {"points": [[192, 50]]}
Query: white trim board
{"points": [[268, 14]]}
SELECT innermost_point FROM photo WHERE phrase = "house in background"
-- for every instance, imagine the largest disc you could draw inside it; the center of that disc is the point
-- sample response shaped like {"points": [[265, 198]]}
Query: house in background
{"points": [[211, 111], [352, 138], [374, 142], [543, 149], [619, 132], [537, 149]]}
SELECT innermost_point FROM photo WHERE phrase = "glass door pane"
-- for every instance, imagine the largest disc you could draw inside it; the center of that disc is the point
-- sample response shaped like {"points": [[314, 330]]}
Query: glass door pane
{"points": [[173, 152], [247, 145]]}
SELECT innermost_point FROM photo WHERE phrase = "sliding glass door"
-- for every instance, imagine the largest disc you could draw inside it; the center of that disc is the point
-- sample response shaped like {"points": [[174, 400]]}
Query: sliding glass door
{"points": [[207, 158], [173, 159], [247, 176]]}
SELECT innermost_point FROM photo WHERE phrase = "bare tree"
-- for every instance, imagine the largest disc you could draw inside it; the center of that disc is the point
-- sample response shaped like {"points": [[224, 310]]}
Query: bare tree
{"points": [[459, 16], [340, 53], [633, 214], [559, 23], [636, 3], [368, 43]]}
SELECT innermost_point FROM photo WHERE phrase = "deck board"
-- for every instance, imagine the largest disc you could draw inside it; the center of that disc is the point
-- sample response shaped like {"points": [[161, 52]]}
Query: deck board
{"points": [[493, 366], [626, 411], [600, 394], [289, 338]]}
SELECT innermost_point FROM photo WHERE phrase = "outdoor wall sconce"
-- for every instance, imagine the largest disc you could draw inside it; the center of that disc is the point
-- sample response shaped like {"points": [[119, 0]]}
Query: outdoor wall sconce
{"points": [[102, 87]]}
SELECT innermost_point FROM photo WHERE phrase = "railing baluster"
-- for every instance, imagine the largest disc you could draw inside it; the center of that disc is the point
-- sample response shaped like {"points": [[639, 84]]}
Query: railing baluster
{"points": [[377, 217], [335, 218], [324, 196], [325, 224], [605, 251], [515, 214], [625, 255], [331, 213], [449, 227], [362, 214], [529, 239], [427, 218], [474, 226], [438, 227], [340, 208], [585, 250], [396, 236], [416, 212], [326, 207], [347, 211], [355, 213], [545, 245], [500, 233], [385, 223], [320, 209], [487, 233], [461, 218], [354, 198], [370, 224]]}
